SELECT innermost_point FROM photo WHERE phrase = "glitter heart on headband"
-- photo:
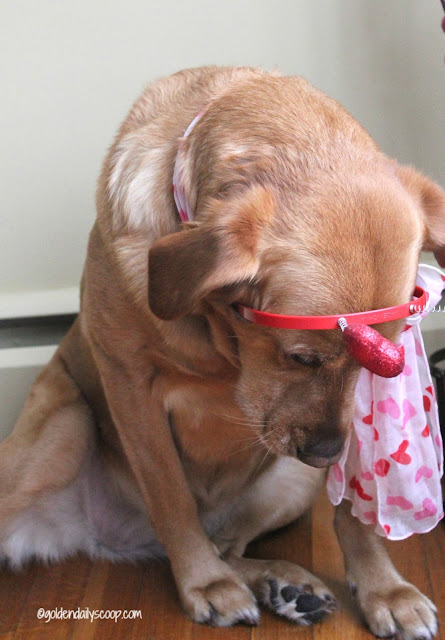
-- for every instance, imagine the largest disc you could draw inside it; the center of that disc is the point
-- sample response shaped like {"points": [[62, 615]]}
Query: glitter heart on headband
{"points": [[368, 347]]}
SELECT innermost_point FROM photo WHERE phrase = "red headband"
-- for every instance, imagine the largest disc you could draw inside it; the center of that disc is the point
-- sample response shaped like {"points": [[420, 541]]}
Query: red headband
{"points": [[368, 347], [376, 316]]}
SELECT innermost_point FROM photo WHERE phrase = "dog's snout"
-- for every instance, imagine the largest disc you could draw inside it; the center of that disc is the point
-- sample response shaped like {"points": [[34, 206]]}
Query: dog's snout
{"points": [[322, 450]]}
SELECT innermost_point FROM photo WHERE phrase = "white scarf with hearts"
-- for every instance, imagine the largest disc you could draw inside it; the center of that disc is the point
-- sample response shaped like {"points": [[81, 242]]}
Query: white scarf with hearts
{"points": [[393, 458]]}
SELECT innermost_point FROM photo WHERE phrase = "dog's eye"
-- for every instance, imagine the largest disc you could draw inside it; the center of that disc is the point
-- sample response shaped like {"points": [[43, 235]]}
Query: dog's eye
{"points": [[307, 361], [234, 307]]}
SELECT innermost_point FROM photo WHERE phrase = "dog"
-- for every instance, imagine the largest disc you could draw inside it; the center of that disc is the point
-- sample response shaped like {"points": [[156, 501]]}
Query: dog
{"points": [[168, 425]]}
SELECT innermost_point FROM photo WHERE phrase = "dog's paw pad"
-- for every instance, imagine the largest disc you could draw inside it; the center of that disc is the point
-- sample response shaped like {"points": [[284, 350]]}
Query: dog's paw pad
{"points": [[307, 604], [299, 602]]}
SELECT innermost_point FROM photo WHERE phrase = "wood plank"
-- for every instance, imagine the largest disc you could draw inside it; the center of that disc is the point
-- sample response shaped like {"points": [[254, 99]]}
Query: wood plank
{"points": [[92, 597], [55, 587], [327, 560], [14, 591], [434, 553]]}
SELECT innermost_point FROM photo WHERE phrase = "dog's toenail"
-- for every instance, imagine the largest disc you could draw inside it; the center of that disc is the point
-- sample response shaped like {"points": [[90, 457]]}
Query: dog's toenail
{"points": [[290, 593], [306, 603]]}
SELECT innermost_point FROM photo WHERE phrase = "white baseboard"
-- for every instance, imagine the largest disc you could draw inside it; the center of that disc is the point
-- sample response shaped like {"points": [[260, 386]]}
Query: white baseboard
{"points": [[18, 370], [26, 304]]}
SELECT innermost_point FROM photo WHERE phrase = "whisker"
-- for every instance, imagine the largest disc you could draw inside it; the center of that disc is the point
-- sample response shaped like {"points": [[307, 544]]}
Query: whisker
{"points": [[237, 419], [257, 442], [260, 440], [268, 451]]}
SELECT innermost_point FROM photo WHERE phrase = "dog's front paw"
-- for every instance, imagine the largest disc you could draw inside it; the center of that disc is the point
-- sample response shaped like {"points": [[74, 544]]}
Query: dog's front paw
{"points": [[296, 594], [222, 603], [402, 610]]}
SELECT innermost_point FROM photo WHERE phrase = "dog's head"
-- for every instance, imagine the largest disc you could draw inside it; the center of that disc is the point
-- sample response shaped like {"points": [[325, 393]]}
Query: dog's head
{"points": [[343, 242]]}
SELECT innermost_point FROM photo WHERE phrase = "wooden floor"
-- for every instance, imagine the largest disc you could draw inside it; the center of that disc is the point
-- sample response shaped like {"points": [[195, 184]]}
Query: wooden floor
{"points": [[100, 585]]}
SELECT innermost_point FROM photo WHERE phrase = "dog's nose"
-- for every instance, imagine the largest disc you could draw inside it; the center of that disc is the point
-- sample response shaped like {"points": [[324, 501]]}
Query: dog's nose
{"points": [[322, 451]]}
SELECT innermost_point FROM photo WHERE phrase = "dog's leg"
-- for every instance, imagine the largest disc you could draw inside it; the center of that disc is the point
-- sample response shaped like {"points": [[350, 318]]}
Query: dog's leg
{"points": [[280, 494], [389, 604], [45, 451], [210, 590]]}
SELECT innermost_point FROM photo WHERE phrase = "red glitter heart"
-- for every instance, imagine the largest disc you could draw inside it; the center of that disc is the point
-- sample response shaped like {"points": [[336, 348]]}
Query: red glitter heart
{"points": [[426, 432], [426, 403], [374, 352]]}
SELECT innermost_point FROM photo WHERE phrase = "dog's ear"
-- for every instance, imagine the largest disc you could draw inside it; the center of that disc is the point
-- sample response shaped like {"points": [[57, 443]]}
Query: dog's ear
{"points": [[186, 266], [432, 201]]}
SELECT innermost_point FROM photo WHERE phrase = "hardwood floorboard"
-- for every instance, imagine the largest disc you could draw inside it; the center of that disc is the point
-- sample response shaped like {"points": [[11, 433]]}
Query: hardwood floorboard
{"points": [[54, 587], [14, 591], [328, 565], [292, 543], [433, 545], [311, 542]]}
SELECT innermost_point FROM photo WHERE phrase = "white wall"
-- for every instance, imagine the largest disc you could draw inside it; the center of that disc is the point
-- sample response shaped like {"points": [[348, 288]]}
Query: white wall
{"points": [[70, 70]]}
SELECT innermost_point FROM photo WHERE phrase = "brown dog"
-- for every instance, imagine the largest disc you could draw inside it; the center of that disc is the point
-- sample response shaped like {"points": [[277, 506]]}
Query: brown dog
{"points": [[165, 423]]}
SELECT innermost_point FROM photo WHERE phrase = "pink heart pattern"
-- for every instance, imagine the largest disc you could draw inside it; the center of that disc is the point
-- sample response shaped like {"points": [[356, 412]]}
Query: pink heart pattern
{"points": [[338, 473], [407, 371], [369, 418], [400, 455], [371, 516], [408, 411], [355, 484], [429, 509], [381, 467], [389, 406], [423, 472], [399, 501]]}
